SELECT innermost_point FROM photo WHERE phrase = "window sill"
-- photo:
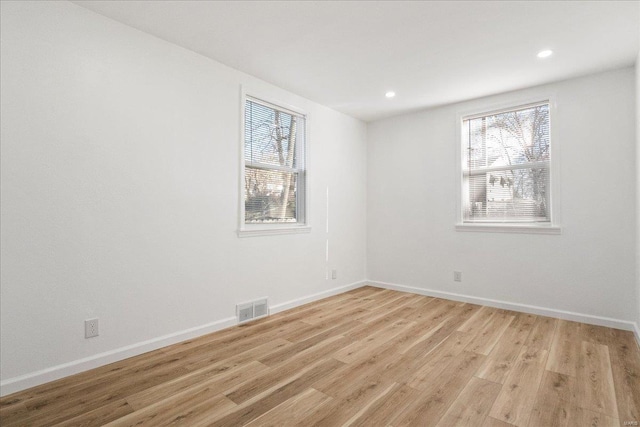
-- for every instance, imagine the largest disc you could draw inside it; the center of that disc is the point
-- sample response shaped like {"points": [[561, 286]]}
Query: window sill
{"points": [[255, 232], [510, 228]]}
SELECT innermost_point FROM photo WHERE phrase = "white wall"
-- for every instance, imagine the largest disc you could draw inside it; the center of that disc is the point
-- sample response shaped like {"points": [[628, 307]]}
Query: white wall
{"points": [[589, 269], [120, 166], [638, 196]]}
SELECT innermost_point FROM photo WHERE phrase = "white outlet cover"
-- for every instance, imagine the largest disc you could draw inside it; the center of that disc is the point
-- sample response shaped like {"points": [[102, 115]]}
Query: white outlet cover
{"points": [[91, 328]]}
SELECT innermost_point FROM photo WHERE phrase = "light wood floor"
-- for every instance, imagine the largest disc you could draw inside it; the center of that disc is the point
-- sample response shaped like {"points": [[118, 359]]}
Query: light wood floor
{"points": [[369, 357]]}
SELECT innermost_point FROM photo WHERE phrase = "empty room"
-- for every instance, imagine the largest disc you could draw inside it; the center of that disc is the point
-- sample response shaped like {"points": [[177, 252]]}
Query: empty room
{"points": [[320, 213]]}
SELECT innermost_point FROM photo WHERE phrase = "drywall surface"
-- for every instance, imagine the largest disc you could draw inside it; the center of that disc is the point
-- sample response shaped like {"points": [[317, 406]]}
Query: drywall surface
{"points": [[588, 269], [120, 191], [638, 195]]}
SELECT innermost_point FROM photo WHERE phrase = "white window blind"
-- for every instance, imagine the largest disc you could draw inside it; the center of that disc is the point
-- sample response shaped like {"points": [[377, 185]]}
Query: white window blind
{"points": [[274, 154], [506, 163]]}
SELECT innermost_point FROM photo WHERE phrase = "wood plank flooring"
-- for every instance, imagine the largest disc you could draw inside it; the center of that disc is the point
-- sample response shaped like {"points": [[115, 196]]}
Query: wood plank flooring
{"points": [[368, 357]]}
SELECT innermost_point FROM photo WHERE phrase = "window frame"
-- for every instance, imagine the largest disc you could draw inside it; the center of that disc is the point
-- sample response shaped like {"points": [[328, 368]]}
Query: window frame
{"points": [[551, 227], [249, 230]]}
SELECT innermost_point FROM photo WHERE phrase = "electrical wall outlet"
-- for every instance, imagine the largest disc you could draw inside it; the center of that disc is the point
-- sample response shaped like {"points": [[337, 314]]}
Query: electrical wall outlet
{"points": [[457, 276], [334, 274], [91, 328]]}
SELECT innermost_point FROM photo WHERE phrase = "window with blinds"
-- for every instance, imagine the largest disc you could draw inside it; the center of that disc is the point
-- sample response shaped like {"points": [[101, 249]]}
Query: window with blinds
{"points": [[274, 156], [505, 166]]}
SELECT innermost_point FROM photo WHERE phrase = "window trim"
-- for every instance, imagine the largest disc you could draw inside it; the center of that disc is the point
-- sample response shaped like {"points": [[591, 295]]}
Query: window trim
{"points": [[551, 227], [250, 230]]}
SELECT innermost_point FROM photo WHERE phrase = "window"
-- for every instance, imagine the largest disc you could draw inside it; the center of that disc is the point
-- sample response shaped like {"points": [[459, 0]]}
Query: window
{"points": [[506, 159], [274, 166]]}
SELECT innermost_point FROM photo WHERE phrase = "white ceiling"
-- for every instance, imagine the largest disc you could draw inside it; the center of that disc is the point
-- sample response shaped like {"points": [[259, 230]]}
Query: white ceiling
{"points": [[346, 55]]}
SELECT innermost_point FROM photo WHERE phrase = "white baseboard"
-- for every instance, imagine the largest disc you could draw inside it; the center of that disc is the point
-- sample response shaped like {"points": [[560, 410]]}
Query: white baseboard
{"points": [[33, 379], [532, 309], [23, 382], [310, 298]]}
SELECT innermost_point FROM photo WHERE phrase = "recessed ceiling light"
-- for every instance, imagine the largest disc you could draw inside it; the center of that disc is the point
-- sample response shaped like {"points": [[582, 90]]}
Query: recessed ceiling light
{"points": [[390, 94], [545, 53]]}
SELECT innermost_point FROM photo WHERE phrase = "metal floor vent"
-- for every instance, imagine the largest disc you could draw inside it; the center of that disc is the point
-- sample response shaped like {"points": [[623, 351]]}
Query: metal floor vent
{"points": [[252, 310]]}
